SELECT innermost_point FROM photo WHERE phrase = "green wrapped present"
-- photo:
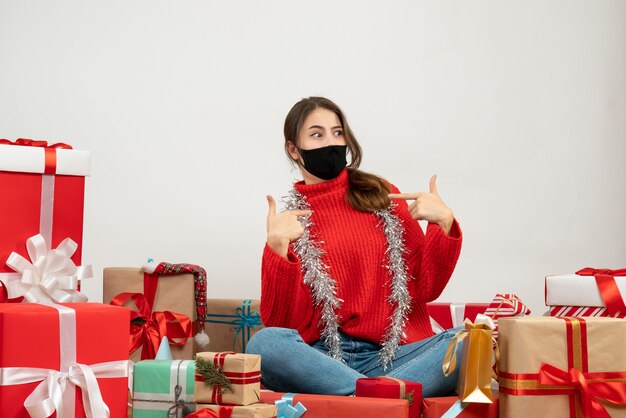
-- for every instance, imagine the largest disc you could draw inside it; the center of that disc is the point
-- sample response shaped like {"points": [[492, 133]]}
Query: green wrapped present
{"points": [[163, 388]]}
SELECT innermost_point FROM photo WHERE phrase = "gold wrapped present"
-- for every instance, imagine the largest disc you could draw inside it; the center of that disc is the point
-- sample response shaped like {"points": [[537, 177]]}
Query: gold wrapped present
{"points": [[475, 369], [256, 410], [174, 293], [231, 322], [562, 367], [227, 378]]}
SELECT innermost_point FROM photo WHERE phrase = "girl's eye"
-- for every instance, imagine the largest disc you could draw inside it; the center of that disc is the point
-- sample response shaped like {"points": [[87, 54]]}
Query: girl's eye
{"points": [[338, 133], [316, 135]]}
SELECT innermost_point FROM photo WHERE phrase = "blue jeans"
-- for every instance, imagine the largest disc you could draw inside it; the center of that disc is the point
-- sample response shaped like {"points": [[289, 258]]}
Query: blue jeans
{"points": [[288, 364]]}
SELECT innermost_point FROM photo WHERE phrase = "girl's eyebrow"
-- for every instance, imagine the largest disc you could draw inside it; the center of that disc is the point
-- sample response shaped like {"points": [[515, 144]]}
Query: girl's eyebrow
{"points": [[321, 127]]}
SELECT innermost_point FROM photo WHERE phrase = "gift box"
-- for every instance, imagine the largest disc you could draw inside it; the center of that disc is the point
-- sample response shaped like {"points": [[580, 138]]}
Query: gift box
{"points": [[40, 345], [505, 305], [562, 367], [444, 316], [169, 293], [231, 322], [256, 410], [389, 387], [588, 287], [227, 378], [42, 193], [323, 406], [163, 388], [451, 406], [584, 311]]}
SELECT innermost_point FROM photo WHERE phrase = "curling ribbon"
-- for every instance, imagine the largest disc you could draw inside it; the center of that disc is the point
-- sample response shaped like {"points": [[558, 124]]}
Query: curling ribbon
{"points": [[50, 276], [154, 326], [57, 390], [286, 409], [50, 151], [608, 288], [245, 319]]}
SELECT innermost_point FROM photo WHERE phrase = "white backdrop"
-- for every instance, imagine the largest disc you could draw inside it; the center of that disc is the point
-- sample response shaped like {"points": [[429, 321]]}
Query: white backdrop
{"points": [[519, 107]]}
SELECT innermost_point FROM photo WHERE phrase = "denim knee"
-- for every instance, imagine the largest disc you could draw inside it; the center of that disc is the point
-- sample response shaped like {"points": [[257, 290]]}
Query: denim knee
{"points": [[266, 340]]}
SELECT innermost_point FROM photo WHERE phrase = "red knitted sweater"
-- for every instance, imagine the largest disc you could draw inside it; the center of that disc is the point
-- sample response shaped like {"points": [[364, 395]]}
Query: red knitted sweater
{"points": [[354, 246]]}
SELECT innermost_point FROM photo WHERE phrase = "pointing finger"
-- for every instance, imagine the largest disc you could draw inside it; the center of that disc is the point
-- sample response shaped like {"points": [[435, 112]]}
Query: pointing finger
{"points": [[433, 185], [272, 205], [403, 196]]}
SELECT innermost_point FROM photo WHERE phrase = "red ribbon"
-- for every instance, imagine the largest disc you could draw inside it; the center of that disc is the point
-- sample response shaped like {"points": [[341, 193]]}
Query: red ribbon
{"points": [[204, 413], [605, 279], [50, 166], [589, 391], [235, 378], [155, 325], [4, 294], [223, 412]]}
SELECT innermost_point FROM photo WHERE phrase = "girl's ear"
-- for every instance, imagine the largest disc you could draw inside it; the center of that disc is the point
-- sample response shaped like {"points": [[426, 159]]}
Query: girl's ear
{"points": [[293, 151]]}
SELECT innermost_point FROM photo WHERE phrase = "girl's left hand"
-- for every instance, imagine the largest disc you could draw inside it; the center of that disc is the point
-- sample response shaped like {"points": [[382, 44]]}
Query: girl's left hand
{"points": [[428, 206]]}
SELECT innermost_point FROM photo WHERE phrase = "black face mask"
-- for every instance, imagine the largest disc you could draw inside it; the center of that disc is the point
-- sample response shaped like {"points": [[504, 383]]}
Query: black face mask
{"points": [[326, 162]]}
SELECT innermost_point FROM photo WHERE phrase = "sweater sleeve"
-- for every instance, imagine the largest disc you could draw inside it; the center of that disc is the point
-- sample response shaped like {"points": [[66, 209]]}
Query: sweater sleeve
{"points": [[432, 257], [285, 300]]}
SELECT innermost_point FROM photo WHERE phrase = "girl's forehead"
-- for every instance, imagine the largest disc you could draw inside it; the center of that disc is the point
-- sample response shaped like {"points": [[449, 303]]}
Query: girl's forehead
{"points": [[321, 117]]}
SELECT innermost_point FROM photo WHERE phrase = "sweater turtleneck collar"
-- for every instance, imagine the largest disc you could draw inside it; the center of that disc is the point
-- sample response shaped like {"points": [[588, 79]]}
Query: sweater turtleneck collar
{"points": [[319, 189]]}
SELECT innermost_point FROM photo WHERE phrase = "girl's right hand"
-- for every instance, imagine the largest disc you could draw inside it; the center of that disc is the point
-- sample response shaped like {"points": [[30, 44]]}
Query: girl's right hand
{"points": [[283, 228]]}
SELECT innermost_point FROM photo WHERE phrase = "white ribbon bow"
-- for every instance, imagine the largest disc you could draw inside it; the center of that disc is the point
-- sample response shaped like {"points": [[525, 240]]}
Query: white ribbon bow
{"points": [[50, 276], [48, 395]]}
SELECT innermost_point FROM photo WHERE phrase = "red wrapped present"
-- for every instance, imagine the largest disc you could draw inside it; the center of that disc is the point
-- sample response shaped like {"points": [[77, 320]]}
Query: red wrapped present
{"points": [[63, 358], [505, 305], [451, 406], [444, 316], [389, 387], [324, 406], [588, 287], [584, 311], [42, 193]]}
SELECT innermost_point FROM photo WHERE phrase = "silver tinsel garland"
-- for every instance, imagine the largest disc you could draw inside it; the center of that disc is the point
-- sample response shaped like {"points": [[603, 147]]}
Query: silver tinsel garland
{"points": [[316, 275], [400, 297], [323, 286]]}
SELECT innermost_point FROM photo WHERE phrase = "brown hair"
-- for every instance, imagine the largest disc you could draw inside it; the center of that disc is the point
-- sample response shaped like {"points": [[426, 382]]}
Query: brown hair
{"points": [[367, 192]]}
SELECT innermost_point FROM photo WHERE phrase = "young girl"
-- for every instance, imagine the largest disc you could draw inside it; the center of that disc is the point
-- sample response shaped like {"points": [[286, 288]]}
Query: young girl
{"points": [[347, 270]]}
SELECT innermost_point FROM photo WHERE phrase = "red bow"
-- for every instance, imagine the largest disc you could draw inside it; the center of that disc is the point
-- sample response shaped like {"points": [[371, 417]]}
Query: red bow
{"points": [[589, 391], [34, 143], [155, 326], [204, 413], [590, 271], [608, 288]]}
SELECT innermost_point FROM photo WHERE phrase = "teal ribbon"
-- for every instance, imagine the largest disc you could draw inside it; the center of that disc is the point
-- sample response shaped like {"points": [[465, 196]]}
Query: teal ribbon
{"points": [[242, 322], [285, 408], [454, 410]]}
